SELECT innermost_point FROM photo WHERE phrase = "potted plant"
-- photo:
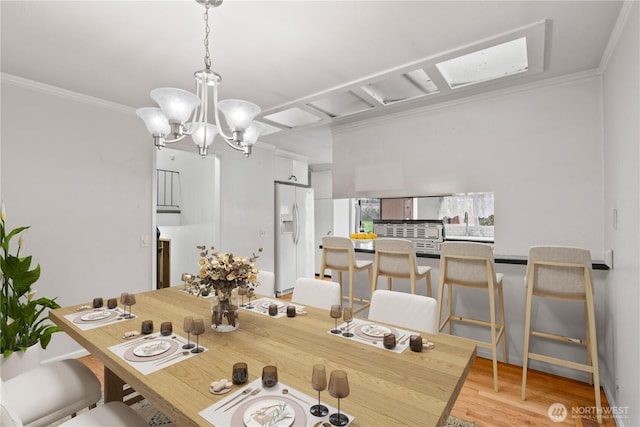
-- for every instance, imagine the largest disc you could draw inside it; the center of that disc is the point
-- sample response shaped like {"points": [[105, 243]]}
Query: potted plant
{"points": [[23, 318]]}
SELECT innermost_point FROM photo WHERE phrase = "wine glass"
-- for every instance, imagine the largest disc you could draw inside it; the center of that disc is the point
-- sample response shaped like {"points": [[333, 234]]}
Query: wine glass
{"points": [[347, 315], [338, 388], [131, 299], [250, 294], [187, 326], [186, 278], [336, 313], [123, 301], [242, 291], [319, 383], [198, 329]]}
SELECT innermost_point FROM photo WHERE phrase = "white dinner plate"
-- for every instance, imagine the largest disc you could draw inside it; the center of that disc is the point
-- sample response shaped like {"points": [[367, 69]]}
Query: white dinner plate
{"points": [[266, 304], [95, 316], [376, 331], [269, 412], [152, 348]]}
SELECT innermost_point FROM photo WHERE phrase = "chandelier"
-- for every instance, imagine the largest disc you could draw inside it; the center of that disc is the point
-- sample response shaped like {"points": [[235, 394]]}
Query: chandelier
{"points": [[182, 113]]}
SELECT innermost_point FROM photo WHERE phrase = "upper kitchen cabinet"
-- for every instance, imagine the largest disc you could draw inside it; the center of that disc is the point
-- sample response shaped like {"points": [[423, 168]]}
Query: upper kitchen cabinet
{"points": [[292, 168]]}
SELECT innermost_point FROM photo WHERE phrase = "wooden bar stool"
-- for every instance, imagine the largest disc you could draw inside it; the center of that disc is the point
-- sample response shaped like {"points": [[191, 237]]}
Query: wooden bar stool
{"points": [[338, 255], [396, 258], [562, 273], [471, 265]]}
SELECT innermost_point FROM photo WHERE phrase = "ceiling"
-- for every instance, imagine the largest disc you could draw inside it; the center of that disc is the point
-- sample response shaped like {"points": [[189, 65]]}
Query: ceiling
{"points": [[289, 54]]}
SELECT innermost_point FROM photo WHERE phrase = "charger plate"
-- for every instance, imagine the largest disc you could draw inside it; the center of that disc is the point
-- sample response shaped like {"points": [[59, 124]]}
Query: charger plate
{"points": [[238, 418]]}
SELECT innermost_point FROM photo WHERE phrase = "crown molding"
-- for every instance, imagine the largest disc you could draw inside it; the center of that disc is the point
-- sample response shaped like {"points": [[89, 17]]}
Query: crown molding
{"points": [[529, 87], [623, 16], [64, 93]]}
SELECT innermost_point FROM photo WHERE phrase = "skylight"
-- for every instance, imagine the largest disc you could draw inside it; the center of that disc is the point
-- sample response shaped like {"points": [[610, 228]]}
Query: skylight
{"points": [[498, 61]]}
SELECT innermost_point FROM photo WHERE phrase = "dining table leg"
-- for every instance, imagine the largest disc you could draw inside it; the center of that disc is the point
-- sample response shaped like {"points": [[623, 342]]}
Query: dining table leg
{"points": [[113, 387]]}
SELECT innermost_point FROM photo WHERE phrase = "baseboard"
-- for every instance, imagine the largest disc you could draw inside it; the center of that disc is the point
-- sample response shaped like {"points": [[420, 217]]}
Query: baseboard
{"points": [[73, 355]]}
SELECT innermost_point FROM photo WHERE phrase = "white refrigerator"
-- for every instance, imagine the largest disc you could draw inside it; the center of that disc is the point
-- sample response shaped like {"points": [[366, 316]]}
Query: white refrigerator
{"points": [[294, 235]]}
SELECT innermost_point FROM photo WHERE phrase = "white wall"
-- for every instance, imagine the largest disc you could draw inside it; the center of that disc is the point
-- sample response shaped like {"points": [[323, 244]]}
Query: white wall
{"points": [[79, 171], [539, 151], [323, 211], [247, 202], [199, 182], [622, 192]]}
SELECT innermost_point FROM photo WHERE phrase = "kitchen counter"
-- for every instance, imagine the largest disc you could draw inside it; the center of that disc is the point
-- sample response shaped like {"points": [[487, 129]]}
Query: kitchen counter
{"points": [[368, 246]]}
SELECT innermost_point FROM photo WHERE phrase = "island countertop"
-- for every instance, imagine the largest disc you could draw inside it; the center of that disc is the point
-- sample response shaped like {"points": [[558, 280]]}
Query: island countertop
{"points": [[368, 246]]}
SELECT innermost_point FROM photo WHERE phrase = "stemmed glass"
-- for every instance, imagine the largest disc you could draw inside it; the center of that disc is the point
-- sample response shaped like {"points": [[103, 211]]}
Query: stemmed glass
{"points": [[187, 326], [198, 329], [123, 301], [129, 300], [250, 294], [187, 278], [336, 313], [132, 301], [347, 315], [319, 383], [338, 388], [242, 291]]}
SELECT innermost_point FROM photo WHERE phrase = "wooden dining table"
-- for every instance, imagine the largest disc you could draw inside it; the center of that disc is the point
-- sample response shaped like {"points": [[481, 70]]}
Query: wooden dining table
{"points": [[386, 387]]}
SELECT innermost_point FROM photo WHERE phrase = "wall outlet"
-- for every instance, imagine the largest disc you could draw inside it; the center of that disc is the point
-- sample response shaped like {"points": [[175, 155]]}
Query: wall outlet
{"points": [[144, 241]]}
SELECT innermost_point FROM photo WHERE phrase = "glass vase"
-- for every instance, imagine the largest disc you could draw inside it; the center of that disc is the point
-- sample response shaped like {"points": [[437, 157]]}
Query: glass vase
{"points": [[224, 316]]}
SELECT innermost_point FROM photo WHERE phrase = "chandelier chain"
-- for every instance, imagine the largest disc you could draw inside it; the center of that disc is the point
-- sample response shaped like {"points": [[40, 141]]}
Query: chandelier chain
{"points": [[207, 55]]}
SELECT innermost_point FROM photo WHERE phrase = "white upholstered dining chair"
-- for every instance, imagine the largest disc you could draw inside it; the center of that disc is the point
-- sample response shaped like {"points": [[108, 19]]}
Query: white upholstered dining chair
{"points": [[405, 310], [267, 280], [50, 392], [112, 414], [316, 293]]}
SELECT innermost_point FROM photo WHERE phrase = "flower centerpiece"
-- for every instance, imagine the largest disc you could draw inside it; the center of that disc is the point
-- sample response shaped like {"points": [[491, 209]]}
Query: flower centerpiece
{"points": [[221, 274]]}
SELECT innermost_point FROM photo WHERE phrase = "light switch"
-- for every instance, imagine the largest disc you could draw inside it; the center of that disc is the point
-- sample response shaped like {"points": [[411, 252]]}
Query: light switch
{"points": [[144, 241]]}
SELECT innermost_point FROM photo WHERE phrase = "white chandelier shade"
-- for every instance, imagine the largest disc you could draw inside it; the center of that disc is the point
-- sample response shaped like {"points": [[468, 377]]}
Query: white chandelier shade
{"points": [[253, 132], [156, 122], [239, 113], [203, 135], [176, 104], [183, 113]]}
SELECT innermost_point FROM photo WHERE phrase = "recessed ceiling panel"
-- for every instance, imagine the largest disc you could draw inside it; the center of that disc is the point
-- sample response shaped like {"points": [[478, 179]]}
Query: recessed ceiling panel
{"points": [[341, 104], [401, 87], [293, 117], [487, 64], [270, 129]]}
